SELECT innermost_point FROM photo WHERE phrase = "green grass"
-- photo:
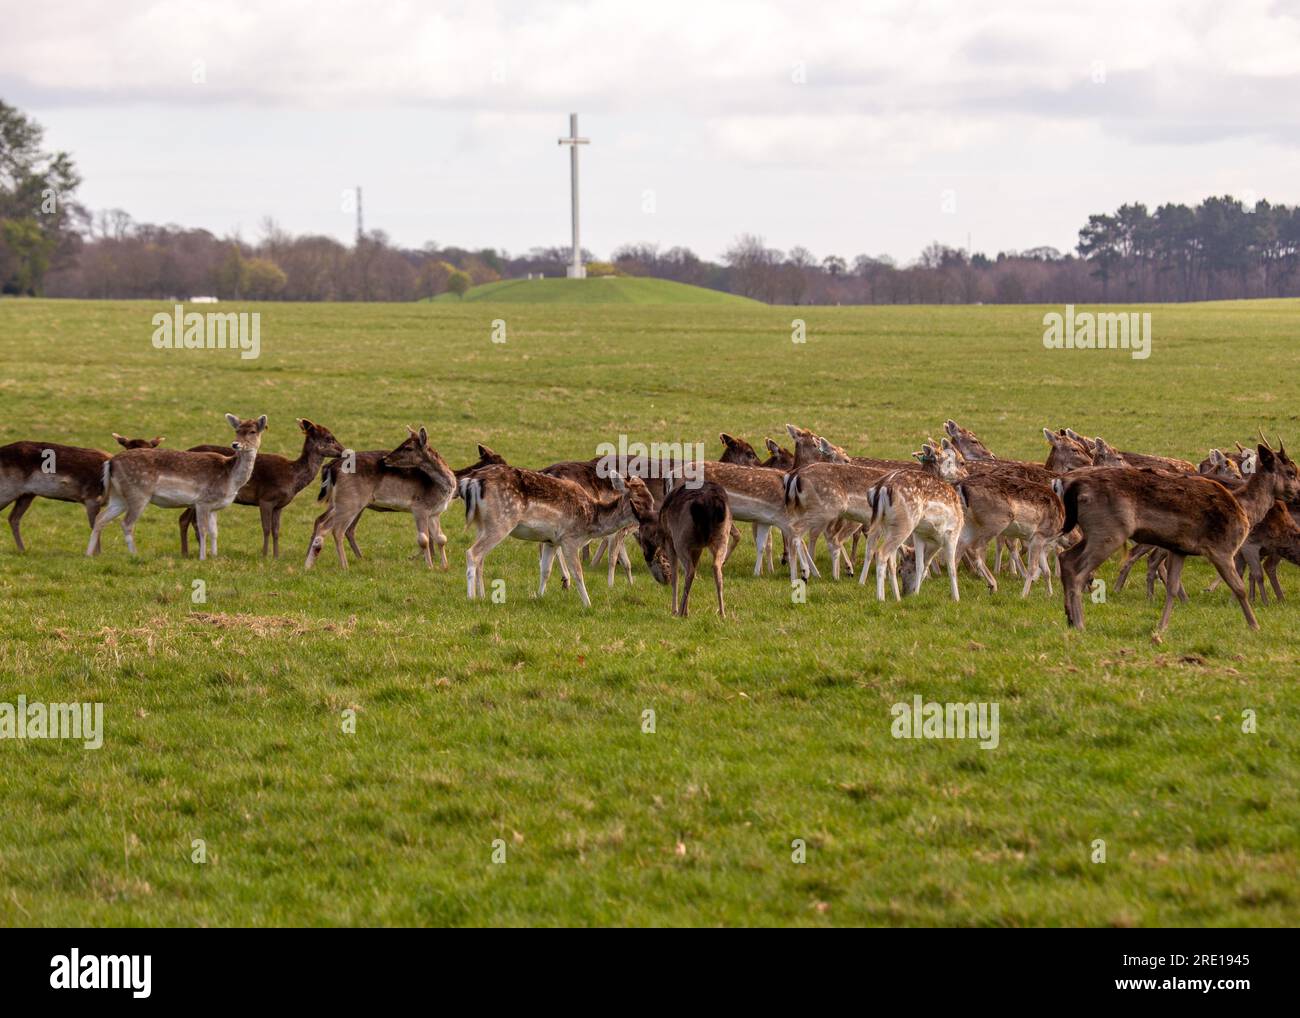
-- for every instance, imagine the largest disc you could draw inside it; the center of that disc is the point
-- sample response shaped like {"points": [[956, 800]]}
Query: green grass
{"points": [[594, 290], [522, 721]]}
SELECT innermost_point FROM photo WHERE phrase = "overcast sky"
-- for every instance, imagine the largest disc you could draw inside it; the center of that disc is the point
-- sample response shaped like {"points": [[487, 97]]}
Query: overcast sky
{"points": [[844, 127]]}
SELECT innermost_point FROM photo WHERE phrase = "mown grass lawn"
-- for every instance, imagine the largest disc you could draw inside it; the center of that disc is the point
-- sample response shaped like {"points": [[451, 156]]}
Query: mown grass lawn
{"points": [[521, 722]]}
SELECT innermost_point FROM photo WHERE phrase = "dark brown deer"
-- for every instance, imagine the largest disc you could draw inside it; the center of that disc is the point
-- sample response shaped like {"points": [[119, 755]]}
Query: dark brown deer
{"points": [[1182, 513], [688, 521], [172, 479], [379, 481], [275, 483], [63, 473]]}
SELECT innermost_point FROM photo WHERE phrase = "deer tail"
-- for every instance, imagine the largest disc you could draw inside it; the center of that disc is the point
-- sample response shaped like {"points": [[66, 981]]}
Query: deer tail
{"points": [[108, 464], [793, 485], [962, 497], [326, 482], [471, 490], [1070, 496]]}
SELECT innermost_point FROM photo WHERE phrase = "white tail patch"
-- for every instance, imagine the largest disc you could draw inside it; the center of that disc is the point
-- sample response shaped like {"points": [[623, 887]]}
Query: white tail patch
{"points": [[1058, 486], [472, 492], [107, 465]]}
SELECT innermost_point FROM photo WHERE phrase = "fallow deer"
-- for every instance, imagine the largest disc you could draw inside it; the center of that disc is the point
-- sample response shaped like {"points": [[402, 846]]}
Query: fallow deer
{"points": [[275, 482], [688, 521], [820, 494], [503, 502], [1182, 513], [410, 478], [172, 479], [741, 453], [757, 495], [63, 473], [997, 505], [917, 505]]}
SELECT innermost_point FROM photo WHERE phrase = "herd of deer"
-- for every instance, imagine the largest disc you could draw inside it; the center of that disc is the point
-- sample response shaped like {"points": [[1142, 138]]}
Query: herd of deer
{"points": [[953, 502]]}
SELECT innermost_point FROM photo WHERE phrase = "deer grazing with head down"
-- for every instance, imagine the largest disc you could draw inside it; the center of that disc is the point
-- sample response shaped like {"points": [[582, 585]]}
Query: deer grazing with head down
{"points": [[1182, 513], [275, 482], [410, 478], [64, 473], [689, 520], [172, 479], [502, 501]]}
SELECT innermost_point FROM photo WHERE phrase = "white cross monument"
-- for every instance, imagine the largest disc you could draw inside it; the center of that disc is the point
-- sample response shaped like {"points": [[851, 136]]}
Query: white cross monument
{"points": [[577, 270]]}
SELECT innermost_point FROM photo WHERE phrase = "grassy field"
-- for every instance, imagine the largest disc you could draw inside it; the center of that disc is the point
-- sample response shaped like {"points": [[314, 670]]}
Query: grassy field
{"points": [[593, 290], [521, 723]]}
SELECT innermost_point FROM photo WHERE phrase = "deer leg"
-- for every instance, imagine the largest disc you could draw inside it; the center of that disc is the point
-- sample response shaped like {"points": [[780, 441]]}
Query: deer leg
{"points": [[1250, 556], [719, 558], [809, 560], [486, 540], [267, 513], [1077, 565], [950, 554], [692, 563], [672, 576], [919, 547], [21, 505], [275, 531], [351, 534], [544, 566], [762, 535], [572, 552], [421, 518], [1138, 551], [1228, 570], [114, 508], [1270, 568], [609, 545], [317, 541], [1172, 578], [212, 531], [601, 548], [622, 554], [185, 521], [92, 510], [338, 546]]}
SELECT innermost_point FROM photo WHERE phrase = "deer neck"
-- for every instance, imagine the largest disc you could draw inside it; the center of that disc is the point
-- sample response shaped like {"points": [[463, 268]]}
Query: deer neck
{"points": [[612, 517], [241, 467], [1257, 497], [305, 467]]}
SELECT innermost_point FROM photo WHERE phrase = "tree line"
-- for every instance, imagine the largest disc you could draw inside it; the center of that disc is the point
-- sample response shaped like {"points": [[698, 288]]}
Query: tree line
{"points": [[1220, 248]]}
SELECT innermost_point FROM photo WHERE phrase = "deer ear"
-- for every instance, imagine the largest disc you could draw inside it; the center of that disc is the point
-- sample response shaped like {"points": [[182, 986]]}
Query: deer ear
{"points": [[424, 437], [772, 447], [824, 446], [726, 440], [950, 426], [616, 479], [120, 439], [261, 423], [1049, 435], [1264, 457], [157, 441], [304, 424], [232, 420], [793, 431], [1217, 457]]}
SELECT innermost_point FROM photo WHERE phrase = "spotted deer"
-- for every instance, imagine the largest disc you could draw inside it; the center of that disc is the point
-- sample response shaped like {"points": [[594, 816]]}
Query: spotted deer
{"points": [[1182, 513], [819, 495], [411, 478], [741, 453], [688, 521], [997, 505], [502, 501], [917, 505], [173, 479], [757, 495], [275, 482], [63, 473]]}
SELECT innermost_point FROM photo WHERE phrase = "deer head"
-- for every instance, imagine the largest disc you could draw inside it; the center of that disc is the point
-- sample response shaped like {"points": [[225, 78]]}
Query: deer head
{"points": [[738, 451], [248, 432], [415, 453], [1277, 465], [138, 443], [971, 447], [1105, 455], [320, 439], [1066, 454]]}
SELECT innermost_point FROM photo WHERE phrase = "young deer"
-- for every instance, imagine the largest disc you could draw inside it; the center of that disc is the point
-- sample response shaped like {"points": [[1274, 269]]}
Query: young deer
{"points": [[1181, 513], [503, 502], [172, 479], [688, 521], [275, 482], [912, 503], [411, 478], [64, 473]]}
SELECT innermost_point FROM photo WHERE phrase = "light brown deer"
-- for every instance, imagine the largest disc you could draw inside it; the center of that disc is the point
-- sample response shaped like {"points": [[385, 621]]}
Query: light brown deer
{"points": [[410, 478], [1182, 513], [997, 505], [503, 502], [741, 453], [757, 495], [820, 494], [172, 479], [275, 482], [63, 473], [913, 504], [688, 521]]}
